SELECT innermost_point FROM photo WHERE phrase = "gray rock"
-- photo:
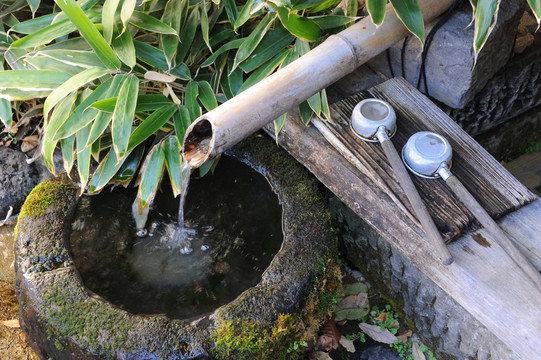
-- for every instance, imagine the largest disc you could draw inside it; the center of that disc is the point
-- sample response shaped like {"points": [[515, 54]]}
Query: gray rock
{"points": [[17, 179], [450, 58]]}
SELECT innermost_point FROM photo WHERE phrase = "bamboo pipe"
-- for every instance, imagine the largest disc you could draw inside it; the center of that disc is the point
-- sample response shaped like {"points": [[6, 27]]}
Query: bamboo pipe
{"points": [[229, 123]]}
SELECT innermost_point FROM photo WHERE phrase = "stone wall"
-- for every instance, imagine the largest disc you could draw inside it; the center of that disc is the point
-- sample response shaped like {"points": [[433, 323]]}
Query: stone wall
{"points": [[441, 323]]}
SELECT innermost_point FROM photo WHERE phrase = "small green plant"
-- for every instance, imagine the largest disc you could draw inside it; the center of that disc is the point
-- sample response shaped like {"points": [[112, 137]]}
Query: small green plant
{"points": [[359, 335], [403, 349], [296, 346], [534, 147]]}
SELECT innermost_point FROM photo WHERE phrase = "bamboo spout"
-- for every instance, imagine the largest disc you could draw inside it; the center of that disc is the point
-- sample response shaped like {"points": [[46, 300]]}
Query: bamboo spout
{"points": [[340, 54]]}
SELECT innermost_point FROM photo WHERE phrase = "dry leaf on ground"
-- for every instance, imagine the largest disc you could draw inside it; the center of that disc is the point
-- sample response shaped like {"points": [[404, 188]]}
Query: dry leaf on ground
{"points": [[416, 351], [405, 336], [322, 355], [358, 301], [11, 323], [375, 332], [347, 344], [29, 143]]}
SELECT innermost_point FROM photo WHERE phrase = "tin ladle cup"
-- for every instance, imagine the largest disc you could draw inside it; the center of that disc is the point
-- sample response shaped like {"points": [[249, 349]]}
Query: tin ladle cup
{"points": [[374, 120], [429, 155]]}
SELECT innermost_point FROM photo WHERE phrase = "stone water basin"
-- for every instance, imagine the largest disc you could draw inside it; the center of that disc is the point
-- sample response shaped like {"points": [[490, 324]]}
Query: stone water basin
{"points": [[65, 319]]}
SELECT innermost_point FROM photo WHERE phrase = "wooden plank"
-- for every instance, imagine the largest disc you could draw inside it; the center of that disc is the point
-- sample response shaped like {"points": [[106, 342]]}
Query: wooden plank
{"points": [[483, 279], [472, 164]]}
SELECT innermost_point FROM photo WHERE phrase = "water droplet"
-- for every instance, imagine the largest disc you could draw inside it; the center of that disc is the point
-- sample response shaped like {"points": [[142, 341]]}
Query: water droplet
{"points": [[142, 233], [205, 247], [186, 250]]}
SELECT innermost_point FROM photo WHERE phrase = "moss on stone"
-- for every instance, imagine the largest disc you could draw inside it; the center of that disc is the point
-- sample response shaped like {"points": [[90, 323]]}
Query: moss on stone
{"points": [[71, 315], [246, 339]]}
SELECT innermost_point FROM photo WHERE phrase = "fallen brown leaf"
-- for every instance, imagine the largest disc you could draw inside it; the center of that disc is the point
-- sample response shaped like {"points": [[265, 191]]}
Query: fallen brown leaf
{"points": [[29, 143], [405, 336], [375, 332], [322, 355], [358, 301], [11, 323], [347, 344]]}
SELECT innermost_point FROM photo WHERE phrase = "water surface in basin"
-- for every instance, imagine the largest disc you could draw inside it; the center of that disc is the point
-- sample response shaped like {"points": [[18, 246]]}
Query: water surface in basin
{"points": [[233, 222]]}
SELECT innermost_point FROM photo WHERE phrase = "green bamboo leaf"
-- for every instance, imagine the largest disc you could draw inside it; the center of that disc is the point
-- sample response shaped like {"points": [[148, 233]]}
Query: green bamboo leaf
{"points": [[74, 83], [231, 11], [332, 21], [485, 19], [352, 7], [279, 124], [34, 5], [90, 33], [173, 161], [324, 5], [6, 113], [181, 121], [314, 102], [67, 152], [244, 15], [376, 9], [172, 16], [72, 44], [150, 23], [83, 59], [129, 167], [105, 171], [34, 25], [45, 35], [233, 44], [299, 26], [45, 63], [95, 150], [325, 110], [206, 95], [145, 102], [150, 125], [273, 42], [255, 37], [208, 166], [188, 34], [535, 5], [305, 112], [123, 115], [99, 125], [126, 12], [151, 174], [83, 114], [192, 92], [156, 58], [409, 12], [205, 26], [124, 48], [304, 4], [83, 156], [29, 84], [264, 70], [235, 79], [58, 117], [108, 18]]}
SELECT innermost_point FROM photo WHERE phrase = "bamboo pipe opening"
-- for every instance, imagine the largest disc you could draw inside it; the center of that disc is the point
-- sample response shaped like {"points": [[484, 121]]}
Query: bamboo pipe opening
{"points": [[199, 142]]}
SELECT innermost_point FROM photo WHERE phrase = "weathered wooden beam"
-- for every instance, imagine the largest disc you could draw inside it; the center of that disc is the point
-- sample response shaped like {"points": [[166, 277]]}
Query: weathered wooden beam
{"points": [[483, 279]]}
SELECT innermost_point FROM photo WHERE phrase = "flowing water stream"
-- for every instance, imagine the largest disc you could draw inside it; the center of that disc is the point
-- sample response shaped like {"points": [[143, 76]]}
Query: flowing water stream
{"points": [[231, 230]]}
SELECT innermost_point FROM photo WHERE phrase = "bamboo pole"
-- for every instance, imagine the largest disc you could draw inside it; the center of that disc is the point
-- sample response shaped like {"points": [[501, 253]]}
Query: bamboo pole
{"points": [[340, 54]]}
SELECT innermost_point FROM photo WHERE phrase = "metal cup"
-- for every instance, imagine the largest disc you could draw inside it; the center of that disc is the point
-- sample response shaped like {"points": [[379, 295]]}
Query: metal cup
{"points": [[371, 114], [426, 153]]}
